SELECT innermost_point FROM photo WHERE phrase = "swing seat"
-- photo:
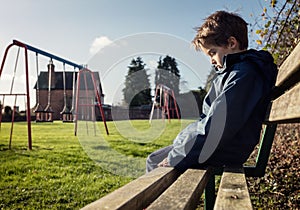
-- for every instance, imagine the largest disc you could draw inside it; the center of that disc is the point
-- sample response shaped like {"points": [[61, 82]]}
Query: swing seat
{"points": [[38, 110], [49, 113], [66, 110], [49, 109], [66, 114]]}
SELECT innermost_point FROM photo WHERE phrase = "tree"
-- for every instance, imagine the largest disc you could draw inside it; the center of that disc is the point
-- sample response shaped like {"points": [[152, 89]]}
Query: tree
{"points": [[167, 74], [279, 31], [7, 111], [199, 95], [137, 89]]}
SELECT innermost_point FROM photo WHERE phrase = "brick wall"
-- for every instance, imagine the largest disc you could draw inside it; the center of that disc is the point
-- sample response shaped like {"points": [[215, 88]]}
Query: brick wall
{"points": [[56, 101]]}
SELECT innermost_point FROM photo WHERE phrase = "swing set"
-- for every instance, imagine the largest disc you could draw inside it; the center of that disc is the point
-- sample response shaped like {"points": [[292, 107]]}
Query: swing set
{"points": [[46, 114], [41, 113], [87, 98], [165, 101]]}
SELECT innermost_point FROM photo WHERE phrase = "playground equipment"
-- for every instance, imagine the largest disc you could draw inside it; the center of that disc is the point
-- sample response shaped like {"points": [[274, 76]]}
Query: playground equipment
{"points": [[15, 95], [87, 96], [48, 110], [54, 85], [73, 98], [165, 103], [38, 109], [66, 113]]}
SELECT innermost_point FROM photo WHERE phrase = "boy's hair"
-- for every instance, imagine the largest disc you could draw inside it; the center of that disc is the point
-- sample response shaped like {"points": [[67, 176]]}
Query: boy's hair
{"points": [[218, 27]]}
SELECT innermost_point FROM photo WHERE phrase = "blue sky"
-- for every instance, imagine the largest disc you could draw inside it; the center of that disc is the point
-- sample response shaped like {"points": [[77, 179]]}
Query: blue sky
{"points": [[76, 30]]}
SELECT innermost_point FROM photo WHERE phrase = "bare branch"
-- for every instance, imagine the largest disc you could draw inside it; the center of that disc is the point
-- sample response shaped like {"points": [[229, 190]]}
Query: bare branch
{"points": [[284, 25], [275, 22]]}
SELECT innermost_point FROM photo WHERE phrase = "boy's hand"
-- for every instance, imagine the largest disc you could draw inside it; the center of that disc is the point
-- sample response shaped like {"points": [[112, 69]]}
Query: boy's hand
{"points": [[164, 163]]}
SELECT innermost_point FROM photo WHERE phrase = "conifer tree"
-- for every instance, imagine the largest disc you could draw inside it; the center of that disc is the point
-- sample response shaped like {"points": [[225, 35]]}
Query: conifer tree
{"points": [[137, 89], [168, 74]]}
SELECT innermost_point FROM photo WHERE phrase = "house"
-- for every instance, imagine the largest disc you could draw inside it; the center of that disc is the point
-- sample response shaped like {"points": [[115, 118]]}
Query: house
{"points": [[55, 92]]}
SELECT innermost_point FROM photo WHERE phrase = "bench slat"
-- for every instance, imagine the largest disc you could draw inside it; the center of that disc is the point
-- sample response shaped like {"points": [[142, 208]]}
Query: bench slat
{"points": [[233, 192], [139, 193], [290, 66], [286, 108], [185, 192]]}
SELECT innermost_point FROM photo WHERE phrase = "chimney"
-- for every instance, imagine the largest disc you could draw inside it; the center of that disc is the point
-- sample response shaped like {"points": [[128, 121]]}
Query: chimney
{"points": [[51, 74]]}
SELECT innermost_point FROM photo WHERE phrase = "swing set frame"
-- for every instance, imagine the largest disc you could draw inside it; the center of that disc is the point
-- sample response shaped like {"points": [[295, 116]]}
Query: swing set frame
{"points": [[165, 103], [87, 104], [28, 116], [27, 94]]}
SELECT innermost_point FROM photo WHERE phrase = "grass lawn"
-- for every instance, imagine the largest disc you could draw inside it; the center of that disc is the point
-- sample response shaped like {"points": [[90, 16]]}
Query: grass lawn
{"points": [[64, 171]]}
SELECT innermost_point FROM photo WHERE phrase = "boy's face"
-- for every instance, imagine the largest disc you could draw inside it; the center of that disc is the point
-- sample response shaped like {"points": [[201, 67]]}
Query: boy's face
{"points": [[217, 53]]}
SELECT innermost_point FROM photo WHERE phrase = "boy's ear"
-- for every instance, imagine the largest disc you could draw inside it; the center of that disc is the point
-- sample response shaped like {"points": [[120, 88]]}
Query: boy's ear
{"points": [[232, 42]]}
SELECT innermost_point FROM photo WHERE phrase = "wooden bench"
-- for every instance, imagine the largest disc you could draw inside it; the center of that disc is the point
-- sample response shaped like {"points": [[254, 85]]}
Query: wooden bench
{"points": [[165, 188]]}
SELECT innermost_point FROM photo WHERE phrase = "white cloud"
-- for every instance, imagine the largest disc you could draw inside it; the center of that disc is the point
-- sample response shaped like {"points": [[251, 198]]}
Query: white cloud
{"points": [[99, 43]]}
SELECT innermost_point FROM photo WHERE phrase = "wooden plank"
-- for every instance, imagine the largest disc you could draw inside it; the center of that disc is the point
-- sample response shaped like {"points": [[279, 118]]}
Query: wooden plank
{"points": [[290, 66], [185, 192], [233, 192], [286, 108], [139, 193]]}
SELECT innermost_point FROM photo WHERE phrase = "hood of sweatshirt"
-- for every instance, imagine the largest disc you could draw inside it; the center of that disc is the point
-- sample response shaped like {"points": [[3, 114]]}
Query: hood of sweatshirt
{"points": [[262, 60]]}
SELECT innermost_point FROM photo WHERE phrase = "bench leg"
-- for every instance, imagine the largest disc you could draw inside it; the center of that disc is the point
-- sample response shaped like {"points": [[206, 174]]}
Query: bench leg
{"points": [[210, 195]]}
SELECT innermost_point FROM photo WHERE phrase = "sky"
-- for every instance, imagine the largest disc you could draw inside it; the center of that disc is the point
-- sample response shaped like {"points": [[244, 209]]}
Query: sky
{"points": [[106, 34]]}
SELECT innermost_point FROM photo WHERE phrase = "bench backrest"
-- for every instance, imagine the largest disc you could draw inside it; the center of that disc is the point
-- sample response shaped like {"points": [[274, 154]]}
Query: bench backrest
{"points": [[284, 108]]}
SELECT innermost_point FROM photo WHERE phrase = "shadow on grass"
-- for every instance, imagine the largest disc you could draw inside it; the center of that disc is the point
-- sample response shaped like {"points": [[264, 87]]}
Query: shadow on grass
{"points": [[99, 150]]}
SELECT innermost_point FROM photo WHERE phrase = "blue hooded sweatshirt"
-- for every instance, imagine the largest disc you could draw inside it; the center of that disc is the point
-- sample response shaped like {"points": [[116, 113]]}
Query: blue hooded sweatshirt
{"points": [[233, 112]]}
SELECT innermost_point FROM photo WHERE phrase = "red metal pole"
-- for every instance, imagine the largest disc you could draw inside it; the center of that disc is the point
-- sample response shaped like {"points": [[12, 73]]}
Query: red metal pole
{"points": [[2, 107], [76, 102], [93, 109], [20, 44], [175, 104], [86, 110], [12, 123], [12, 127], [99, 104], [163, 114], [4, 58], [167, 104], [1, 69], [28, 100]]}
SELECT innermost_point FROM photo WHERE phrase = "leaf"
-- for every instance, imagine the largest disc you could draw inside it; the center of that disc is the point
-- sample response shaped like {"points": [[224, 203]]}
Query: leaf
{"points": [[268, 24], [259, 42], [273, 3]]}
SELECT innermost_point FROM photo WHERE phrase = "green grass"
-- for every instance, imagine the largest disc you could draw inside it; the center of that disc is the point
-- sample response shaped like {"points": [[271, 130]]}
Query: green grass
{"points": [[64, 171]]}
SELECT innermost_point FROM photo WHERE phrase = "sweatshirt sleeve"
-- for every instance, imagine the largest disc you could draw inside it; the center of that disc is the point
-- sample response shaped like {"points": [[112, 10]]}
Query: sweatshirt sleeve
{"points": [[235, 100]]}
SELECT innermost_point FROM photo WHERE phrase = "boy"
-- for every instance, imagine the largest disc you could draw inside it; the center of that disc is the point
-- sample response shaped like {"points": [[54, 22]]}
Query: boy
{"points": [[235, 106]]}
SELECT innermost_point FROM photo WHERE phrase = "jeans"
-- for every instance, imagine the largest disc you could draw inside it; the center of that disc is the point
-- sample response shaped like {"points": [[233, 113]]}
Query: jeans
{"points": [[156, 157]]}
